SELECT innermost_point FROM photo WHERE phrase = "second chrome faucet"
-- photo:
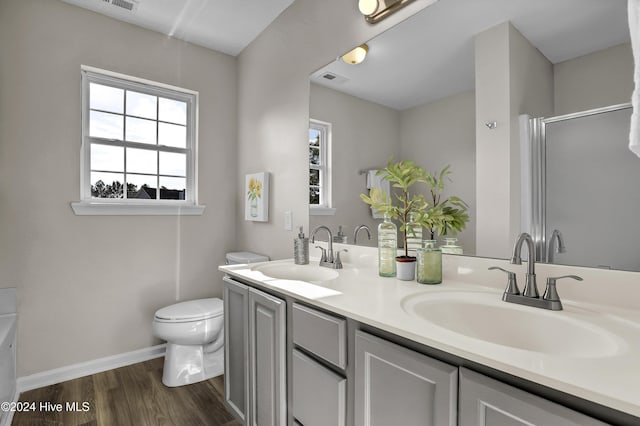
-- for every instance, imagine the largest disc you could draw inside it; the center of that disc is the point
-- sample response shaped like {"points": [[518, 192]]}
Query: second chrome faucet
{"points": [[530, 296]]}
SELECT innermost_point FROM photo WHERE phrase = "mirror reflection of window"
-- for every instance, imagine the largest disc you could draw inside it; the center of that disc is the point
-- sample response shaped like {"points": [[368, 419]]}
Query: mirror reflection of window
{"points": [[319, 165]]}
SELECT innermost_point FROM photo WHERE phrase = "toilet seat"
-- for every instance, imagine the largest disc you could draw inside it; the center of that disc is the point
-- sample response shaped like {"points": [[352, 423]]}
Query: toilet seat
{"points": [[193, 310]]}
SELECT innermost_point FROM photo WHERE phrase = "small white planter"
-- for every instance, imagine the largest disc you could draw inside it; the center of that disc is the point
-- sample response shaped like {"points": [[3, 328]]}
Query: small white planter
{"points": [[406, 268]]}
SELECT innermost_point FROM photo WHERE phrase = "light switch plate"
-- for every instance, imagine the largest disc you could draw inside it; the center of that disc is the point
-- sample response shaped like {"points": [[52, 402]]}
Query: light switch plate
{"points": [[288, 220]]}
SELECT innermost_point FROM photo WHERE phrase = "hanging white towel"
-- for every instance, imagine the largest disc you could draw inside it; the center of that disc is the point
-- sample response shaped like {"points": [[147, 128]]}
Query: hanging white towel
{"points": [[634, 31], [374, 181]]}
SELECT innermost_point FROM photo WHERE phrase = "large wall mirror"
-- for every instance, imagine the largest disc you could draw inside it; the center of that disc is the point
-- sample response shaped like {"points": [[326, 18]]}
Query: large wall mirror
{"points": [[414, 97]]}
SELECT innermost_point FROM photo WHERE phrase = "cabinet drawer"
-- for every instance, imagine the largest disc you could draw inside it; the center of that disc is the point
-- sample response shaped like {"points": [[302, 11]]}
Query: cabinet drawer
{"points": [[319, 395], [323, 335]]}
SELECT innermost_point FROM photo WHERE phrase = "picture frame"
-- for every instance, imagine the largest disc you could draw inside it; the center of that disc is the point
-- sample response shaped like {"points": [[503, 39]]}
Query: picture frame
{"points": [[256, 197]]}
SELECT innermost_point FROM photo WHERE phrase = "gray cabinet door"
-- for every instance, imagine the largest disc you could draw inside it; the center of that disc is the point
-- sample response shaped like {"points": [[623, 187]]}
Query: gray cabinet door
{"points": [[484, 401], [397, 386], [236, 348], [267, 369], [319, 394]]}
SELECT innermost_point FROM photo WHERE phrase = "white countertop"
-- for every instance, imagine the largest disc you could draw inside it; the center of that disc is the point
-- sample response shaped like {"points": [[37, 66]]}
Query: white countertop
{"points": [[359, 293]]}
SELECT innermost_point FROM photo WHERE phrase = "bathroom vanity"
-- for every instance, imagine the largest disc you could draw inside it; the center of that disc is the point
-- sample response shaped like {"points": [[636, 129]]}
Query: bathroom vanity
{"points": [[314, 346]]}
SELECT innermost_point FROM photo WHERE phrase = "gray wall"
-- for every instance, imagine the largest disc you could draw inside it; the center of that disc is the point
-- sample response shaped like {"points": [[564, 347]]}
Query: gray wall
{"points": [[364, 136], [512, 78], [591, 81], [88, 286], [273, 113], [442, 133]]}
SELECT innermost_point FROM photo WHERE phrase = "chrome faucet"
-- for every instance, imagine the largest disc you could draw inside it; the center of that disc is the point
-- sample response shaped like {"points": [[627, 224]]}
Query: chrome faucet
{"points": [[555, 236], [327, 258], [530, 296], [358, 229], [530, 286]]}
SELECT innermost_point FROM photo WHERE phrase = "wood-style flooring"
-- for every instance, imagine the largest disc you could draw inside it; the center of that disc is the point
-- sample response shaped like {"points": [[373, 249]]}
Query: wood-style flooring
{"points": [[132, 395]]}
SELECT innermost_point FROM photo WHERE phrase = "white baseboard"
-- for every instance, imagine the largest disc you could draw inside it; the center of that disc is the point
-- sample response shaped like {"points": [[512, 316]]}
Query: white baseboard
{"points": [[70, 372]]}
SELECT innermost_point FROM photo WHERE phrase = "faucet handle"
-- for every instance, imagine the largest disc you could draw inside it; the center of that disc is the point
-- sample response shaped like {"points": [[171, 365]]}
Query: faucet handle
{"points": [[323, 258], [512, 285], [550, 293], [337, 264]]}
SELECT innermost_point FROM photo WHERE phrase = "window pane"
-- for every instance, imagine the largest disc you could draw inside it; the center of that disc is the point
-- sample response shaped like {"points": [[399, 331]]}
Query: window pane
{"points": [[142, 161], [141, 186], [106, 185], [105, 125], [172, 135], [314, 177], [314, 196], [314, 137], [142, 105], [314, 156], [107, 158], [139, 130], [173, 111], [172, 188], [173, 164], [106, 98]]}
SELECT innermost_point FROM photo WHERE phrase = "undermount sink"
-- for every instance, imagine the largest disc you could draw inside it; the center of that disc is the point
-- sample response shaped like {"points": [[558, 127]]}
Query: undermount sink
{"points": [[291, 271], [485, 317]]}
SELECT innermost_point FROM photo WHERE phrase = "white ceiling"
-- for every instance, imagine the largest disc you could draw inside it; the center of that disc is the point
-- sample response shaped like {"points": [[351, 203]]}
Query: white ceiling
{"points": [[431, 55], [226, 26]]}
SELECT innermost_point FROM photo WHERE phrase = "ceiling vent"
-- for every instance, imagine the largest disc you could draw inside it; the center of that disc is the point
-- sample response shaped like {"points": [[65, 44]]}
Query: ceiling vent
{"points": [[129, 5], [329, 77]]}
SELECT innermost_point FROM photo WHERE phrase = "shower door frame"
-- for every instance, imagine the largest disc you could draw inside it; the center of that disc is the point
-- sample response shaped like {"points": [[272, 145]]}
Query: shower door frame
{"points": [[538, 147]]}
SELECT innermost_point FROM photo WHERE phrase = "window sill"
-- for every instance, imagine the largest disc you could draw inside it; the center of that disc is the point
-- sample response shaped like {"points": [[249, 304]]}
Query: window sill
{"points": [[121, 209], [322, 211]]}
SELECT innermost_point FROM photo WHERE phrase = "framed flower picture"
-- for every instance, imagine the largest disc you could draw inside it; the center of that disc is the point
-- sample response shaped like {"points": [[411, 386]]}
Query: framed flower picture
{"points": [[256, 197]]}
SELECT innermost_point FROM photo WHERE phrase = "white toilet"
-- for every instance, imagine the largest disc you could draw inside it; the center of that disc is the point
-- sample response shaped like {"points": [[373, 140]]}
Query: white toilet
{"points": [[195, 340], [194, 332]]}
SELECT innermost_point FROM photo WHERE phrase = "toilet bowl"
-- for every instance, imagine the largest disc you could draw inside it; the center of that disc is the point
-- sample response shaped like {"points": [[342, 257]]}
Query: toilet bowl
{"points": [[195, 338]]}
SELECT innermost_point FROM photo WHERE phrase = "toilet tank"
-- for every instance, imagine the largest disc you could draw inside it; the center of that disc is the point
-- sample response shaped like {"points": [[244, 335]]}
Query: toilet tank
{"points": [[245, 257]]}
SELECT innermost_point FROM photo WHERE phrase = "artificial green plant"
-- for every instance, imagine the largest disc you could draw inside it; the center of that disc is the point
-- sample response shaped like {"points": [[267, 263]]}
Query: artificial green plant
{"points": [[436, 215], [402, 175]]}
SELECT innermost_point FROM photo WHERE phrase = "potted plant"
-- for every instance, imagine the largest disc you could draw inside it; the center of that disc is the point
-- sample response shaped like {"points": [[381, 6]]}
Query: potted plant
{"points": [[402, 175]]}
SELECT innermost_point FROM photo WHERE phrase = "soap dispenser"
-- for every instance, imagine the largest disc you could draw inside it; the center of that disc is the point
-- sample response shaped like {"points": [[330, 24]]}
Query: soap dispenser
{"points": [[301, 249]]}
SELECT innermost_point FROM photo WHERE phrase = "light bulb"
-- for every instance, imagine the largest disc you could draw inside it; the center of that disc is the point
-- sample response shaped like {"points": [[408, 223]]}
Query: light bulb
{"points": [[367, 7]]}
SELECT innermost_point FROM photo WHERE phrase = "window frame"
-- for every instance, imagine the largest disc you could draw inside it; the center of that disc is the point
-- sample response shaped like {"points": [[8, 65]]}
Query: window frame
{"points": [[325, 206], [133, 206]]}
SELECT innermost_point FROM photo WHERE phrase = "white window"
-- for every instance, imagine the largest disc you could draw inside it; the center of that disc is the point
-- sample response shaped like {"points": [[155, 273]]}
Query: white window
{"points": [[138, 146], [320, 168]]}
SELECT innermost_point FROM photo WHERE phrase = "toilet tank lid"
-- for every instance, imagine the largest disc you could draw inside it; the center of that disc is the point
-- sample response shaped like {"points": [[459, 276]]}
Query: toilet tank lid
{"points": [[191, 310], [245, 257]]}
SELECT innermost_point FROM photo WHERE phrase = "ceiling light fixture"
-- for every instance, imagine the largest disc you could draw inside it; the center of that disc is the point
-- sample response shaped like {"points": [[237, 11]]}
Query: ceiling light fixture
{"points": [[357, 55], [376, 10]]}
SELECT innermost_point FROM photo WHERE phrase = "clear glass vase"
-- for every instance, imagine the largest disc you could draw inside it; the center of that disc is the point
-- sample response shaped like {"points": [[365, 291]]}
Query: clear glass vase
{"points": [[450, 246], [387, 247], [429, 268]]}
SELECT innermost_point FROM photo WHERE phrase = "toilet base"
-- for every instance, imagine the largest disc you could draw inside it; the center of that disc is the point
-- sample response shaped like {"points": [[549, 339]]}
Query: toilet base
{"points": [[187, 364]]}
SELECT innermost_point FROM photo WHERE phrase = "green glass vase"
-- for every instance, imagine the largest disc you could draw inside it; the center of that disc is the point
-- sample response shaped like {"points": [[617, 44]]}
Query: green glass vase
{"points": [[429, 268]]}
